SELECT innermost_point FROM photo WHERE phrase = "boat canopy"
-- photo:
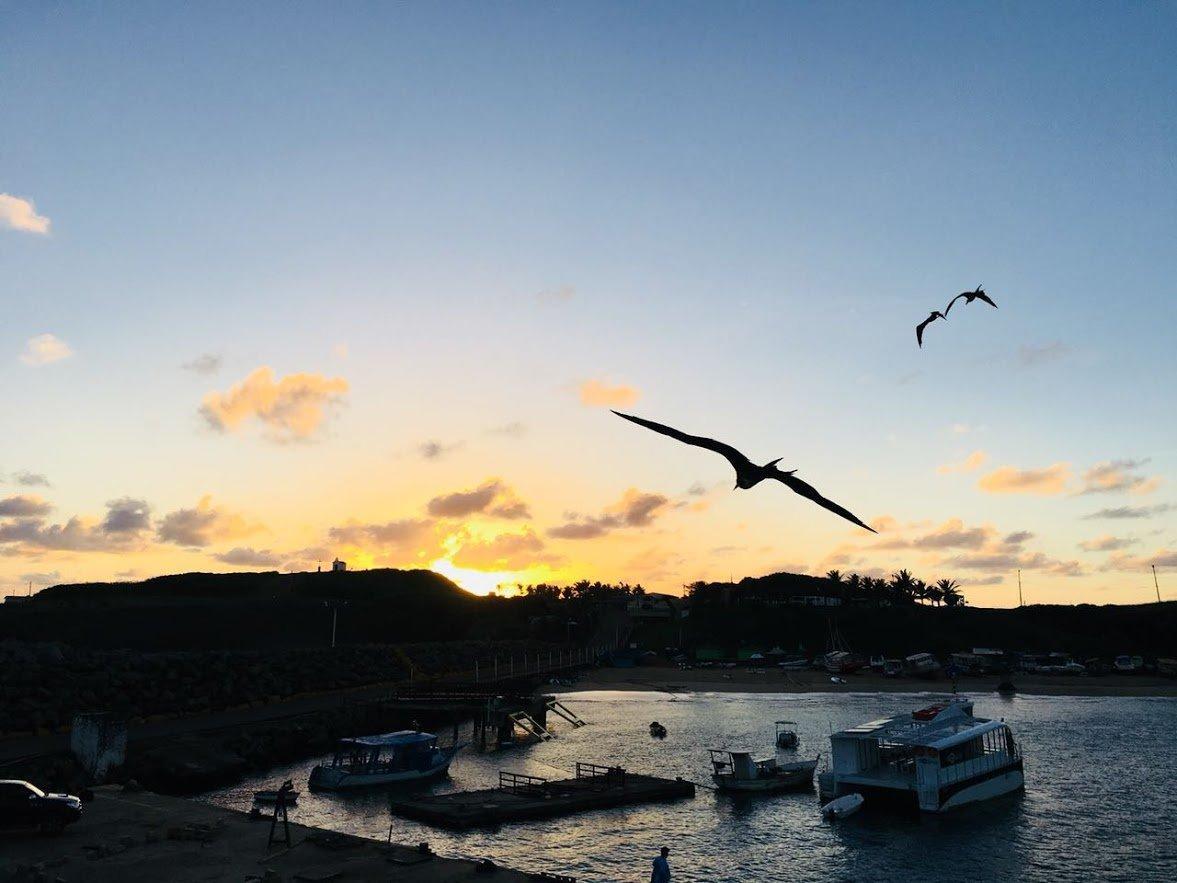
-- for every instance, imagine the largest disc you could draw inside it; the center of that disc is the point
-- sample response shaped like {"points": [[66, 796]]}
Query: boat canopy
{"points": [[963, 735], [400, 737]]}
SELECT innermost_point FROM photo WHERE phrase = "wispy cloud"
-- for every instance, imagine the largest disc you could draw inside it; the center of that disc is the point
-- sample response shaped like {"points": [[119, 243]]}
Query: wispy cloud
{"points": [[436, 450], [247, 556], [513, 430], [202, 525], [292, 408], [492, 497], [597, 394], [1113, 476], [1121, 561], [507, 551], [1107, 543], [1047, 482], [971, 463], [1030, 355], [30, 479], [1121, 512], [122, 529], [24, 506], [634, 509], [44, 349], [20, 214], [205, 364], [562, 294]]}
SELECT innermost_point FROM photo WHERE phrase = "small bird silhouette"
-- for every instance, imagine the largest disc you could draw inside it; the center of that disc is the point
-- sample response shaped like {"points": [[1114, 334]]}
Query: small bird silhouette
{"points": [[969, 297], [748, 474], [919, 329]]}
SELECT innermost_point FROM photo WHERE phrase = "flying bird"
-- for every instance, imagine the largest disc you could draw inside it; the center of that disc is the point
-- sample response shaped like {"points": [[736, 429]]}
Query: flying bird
{"points": [[748, 474], [969, 297], [919, 329]]}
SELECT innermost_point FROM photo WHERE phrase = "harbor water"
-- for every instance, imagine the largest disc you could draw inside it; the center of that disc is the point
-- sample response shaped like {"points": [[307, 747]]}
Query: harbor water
{"points": [[1099, 802]]}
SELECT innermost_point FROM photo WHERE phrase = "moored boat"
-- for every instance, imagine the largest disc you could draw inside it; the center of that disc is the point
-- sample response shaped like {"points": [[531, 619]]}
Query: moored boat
{"points": [[840, 807], [936, 759], [384, 759], [786, 736], [921, 665], [843, 662], [737, 771]]}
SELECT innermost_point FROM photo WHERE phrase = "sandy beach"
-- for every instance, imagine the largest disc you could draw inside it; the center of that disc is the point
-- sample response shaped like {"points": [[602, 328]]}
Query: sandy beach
{"points": [[771, 680]]}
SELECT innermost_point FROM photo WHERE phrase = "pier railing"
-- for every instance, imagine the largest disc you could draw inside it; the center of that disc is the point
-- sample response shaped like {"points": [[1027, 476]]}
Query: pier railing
{"points": [[522, 784], [600, 777]]}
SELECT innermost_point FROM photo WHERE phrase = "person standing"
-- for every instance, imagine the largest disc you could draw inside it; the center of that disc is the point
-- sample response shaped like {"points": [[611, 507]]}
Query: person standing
{"points": [[661, 872]]}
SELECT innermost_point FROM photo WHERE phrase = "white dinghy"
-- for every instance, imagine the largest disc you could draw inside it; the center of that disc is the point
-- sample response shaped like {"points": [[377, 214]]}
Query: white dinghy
{"points": [[846, 805]]}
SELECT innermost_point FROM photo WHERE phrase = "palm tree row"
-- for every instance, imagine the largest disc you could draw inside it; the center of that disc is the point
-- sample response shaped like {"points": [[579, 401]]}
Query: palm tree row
{"points": [[901, 588]]}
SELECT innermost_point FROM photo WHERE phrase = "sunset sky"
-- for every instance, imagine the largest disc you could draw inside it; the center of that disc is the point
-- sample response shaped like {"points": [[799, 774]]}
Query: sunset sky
{"points": [[281, 282]]}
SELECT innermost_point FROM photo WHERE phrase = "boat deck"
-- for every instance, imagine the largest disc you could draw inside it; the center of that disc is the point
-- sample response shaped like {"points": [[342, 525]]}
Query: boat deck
{"points": [[523, 797], [881, 777]]}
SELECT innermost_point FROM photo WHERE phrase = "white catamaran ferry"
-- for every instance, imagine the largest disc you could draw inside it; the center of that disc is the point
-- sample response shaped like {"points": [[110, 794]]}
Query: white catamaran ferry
{"points": [[936, 759]]}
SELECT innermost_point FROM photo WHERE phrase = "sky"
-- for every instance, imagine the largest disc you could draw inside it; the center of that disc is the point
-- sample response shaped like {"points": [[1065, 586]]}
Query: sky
{"points": [[285, 282]]}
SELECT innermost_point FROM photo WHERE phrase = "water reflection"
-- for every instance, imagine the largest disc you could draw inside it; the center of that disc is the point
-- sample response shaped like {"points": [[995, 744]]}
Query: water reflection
{"points": [[1076, 819]]}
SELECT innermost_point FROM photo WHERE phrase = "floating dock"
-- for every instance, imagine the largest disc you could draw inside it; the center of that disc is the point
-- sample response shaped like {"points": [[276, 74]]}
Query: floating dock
{"points": [[520, 797]]}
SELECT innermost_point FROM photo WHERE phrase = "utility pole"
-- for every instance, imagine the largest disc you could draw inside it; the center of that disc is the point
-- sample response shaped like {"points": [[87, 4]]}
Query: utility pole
{"points": [[1155, 583], [1019, 588]]}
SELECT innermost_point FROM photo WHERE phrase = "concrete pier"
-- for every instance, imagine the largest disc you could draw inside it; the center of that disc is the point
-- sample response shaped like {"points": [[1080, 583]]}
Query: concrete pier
{"points": [[145, 836], [520, 797]]}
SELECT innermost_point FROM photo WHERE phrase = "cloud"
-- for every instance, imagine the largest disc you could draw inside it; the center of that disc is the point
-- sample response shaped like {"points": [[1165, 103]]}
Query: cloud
{"points": [[409, 539], [21, 214], [41, 579], [1130, 512], [492, 498], [44, 349], [203, 525], [971, 463], [698, 489], [1160, 558], [23, 506], [597, 394], [953, 534], [514, 429], [1044, 482], [1106, 543], [435, 450], [31, 479], [556, 295], [291, 409], [1113, 476], [1008, 561], [206, 364], [1039, 354], [127, 516], [122, 529], [246, 556], [507, 551], [634, 509]]}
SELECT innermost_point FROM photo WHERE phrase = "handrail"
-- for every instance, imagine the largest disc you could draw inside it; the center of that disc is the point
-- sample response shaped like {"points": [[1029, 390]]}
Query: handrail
{"points": [[521, 783]]}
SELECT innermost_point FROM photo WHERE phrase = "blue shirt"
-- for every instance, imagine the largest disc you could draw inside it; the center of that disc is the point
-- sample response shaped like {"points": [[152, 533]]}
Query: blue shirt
{"points": [[661, 872]]}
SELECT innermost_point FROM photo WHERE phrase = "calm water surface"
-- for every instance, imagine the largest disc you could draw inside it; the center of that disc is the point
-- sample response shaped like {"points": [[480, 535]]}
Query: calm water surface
{"points": [[1099, 802]]}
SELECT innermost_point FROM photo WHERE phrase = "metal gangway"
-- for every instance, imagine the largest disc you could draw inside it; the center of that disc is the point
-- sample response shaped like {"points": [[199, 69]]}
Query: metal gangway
{"points": [[557, 707], [530, 726]]}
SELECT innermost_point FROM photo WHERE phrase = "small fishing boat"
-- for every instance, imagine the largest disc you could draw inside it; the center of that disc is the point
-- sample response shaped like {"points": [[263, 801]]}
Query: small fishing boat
{"points": [[846, 805], [786, 736], [737, 771], [921, 665], [657, 730], [384, 759]]}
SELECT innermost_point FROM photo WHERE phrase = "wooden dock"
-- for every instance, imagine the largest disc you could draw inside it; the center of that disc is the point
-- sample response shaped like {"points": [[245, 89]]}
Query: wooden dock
{"points": [[520, 797]]}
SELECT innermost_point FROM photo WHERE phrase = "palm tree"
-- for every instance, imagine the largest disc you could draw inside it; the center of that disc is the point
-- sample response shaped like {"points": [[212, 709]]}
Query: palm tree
{"points": [[950, 592], [934, 594], [834, 576], [903, 586]]}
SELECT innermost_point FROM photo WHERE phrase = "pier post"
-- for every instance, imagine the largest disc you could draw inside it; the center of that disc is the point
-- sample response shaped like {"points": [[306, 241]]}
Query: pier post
{"points": [[496, 668], [476, 671]]}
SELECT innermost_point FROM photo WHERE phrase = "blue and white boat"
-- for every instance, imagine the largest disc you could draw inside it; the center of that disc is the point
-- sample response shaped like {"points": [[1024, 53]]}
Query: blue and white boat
{"points": [[934, 759], [384, 759]]}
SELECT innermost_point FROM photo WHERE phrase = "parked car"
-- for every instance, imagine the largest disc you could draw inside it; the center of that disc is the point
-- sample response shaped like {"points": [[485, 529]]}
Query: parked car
{"points": [[24, 805]]}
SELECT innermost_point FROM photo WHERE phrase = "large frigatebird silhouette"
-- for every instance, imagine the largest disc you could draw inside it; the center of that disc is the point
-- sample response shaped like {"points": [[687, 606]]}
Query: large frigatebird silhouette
{"points": [[919, 329], [748, 474], [969, 297]]}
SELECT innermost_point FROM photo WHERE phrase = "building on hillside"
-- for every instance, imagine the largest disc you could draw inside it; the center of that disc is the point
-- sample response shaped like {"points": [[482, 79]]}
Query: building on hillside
{"points": [[338, 566], [656, 605]]}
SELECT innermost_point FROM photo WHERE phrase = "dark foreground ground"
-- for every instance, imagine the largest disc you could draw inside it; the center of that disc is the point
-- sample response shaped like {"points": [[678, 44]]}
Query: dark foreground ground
{"points": [[144, 836]]}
